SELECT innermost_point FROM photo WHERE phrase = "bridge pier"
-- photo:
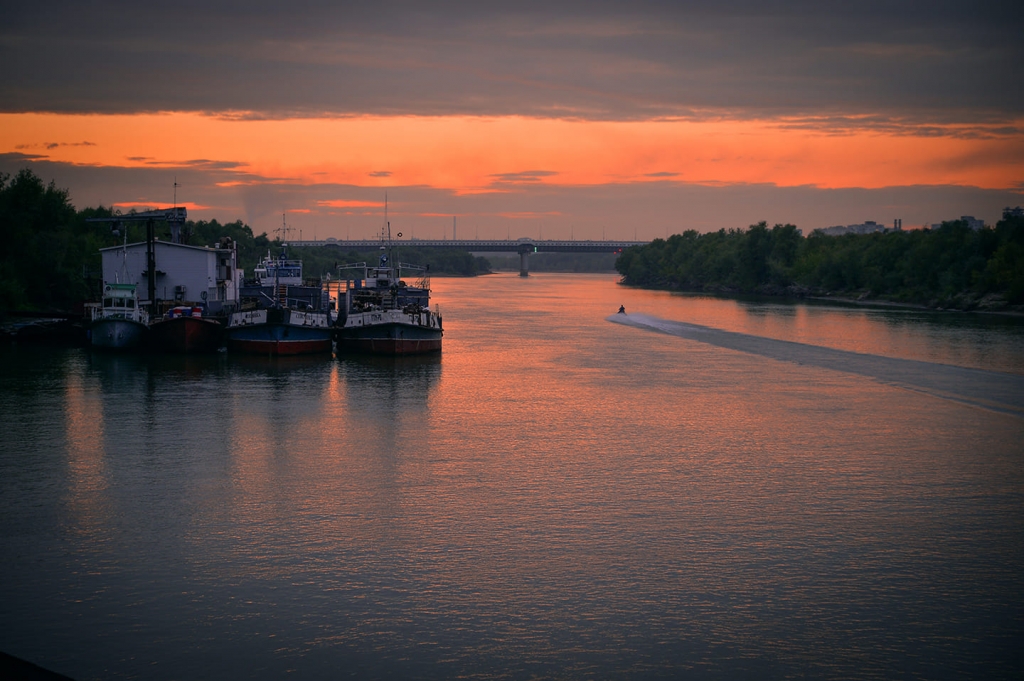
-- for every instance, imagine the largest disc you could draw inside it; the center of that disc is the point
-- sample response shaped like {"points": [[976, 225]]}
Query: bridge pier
{"points": [[524, 263]]}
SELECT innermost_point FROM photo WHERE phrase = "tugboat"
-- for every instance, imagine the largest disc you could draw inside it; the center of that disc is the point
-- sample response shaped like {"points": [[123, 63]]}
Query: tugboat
{"points": [[381, 314], [280, 315], [119, 323]]}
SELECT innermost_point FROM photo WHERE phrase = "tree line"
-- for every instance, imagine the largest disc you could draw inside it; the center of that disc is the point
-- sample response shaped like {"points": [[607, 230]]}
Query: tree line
{"points": [[51, 260], [321, 260], [952, 266]]}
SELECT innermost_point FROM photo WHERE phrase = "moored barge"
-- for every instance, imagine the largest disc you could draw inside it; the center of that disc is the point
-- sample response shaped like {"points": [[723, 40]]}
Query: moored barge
{"points": [[280, 314], [379, 313]]}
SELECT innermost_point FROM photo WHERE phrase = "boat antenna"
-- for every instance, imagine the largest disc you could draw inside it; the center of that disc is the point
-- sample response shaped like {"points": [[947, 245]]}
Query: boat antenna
{"points": [[277, 268], [384, 227], [392, 248], [174, 225]]}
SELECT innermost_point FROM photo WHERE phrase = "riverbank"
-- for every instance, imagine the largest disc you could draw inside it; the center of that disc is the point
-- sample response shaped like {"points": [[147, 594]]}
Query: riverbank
{"points": [[1003, 309], [994, 304]]}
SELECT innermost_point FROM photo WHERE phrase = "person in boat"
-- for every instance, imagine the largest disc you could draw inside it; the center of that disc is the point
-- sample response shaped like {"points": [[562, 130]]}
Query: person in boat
{"points": [[622, 309]]}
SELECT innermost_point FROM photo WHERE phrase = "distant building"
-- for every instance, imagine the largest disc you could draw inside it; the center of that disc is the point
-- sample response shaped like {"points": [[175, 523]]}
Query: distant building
{"points": [[970, 220], [865, 228], [185, 274]]}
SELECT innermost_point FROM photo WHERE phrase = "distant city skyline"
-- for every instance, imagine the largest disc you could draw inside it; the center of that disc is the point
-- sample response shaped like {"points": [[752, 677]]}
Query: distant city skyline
{"points": [[568, 119]]}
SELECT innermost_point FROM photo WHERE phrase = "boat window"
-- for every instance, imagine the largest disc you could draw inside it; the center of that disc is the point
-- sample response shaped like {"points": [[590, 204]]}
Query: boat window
{"points": [[131, 303], [108, 302]]}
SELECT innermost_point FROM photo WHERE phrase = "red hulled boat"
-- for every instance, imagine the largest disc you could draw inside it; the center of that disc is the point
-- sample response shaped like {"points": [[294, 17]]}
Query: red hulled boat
{"points": [[184, 330]]}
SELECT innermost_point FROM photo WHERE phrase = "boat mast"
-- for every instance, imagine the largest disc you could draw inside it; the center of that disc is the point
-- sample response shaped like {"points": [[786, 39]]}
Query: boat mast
{"points": [[393, 264], [392, 247], [151, 265], [124, 261], [386, 232]]}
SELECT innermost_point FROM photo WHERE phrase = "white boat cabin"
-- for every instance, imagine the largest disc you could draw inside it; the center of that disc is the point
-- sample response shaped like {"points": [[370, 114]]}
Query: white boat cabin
{"points": [[120, 301], [196, 275]]}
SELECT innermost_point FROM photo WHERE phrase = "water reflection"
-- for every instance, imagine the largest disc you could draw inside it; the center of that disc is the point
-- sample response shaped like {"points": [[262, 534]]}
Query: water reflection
{"points": [[386, 435], [317, 449], [117, 372], [87, 502], [390, 384]]}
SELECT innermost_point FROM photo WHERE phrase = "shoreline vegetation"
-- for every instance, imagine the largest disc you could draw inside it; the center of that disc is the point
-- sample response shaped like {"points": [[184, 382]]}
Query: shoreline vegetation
{"points": [[949, 268]]}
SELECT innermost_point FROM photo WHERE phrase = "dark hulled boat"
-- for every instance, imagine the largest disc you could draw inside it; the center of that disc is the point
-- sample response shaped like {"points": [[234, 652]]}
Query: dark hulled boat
{"points": [[381, 314], [279, 331], [280, 315], [119, 323]]}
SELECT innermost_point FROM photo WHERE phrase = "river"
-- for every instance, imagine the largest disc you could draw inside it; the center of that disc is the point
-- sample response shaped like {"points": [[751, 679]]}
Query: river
{"points": [[702, 488]]}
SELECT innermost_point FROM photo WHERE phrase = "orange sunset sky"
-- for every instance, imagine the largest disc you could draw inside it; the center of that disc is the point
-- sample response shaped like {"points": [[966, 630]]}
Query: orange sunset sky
{"points": [[614, 119]]}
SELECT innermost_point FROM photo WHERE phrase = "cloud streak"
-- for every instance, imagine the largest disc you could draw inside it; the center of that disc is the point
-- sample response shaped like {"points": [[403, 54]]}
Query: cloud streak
{"points": [[522, 177], [53, 145]]}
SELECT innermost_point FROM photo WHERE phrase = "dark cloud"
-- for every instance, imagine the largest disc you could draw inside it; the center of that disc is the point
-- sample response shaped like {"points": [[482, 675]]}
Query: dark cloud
{"points": [[525, 176], [922, 126], [54, 145], [19, 160], [198, 163], [380, 173], [942, 61]]}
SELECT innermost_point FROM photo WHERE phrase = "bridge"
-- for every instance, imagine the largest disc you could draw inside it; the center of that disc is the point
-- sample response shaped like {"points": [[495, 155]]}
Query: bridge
{"points": [[524, 247]]}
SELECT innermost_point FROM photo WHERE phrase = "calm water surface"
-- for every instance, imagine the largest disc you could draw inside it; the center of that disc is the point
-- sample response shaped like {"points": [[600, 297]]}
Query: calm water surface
{"points": [[556, 496]]}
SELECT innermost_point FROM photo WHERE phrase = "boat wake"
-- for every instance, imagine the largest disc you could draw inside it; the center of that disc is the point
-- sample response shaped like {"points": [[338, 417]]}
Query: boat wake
{"points": [[992, 390]]}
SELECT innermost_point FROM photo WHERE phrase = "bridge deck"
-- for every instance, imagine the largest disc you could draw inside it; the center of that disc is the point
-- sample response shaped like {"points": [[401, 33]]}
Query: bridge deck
{"points": [[481, 245]]}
